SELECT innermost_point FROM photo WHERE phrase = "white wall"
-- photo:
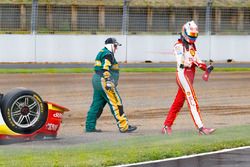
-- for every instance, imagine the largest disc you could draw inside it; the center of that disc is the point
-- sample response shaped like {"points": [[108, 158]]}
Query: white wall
{"points": [[16, 48], [83, 48]]}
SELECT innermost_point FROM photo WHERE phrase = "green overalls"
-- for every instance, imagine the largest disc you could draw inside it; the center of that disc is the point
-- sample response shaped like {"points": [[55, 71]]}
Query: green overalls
{"points": [[106, 66]]}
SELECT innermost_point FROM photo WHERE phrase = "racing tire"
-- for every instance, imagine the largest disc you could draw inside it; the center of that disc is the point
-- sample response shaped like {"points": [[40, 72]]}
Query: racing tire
{"points": [[23, 111]]}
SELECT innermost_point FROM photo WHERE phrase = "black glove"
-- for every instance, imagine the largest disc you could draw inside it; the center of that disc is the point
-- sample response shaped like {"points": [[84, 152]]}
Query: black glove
{"points": [[110, 83], [210, 68], [182, 66]]}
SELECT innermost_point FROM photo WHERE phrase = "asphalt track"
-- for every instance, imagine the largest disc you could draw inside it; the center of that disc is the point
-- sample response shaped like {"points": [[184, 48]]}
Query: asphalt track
{"points": [[238, 157], [122, 65]]}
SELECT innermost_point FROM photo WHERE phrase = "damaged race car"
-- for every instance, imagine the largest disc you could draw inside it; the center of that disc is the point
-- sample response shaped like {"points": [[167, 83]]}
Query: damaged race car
{"points": [[25, 116]]}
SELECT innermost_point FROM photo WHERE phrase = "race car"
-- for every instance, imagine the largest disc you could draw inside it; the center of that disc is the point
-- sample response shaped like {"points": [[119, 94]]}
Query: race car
{"points": [[25, 116]]}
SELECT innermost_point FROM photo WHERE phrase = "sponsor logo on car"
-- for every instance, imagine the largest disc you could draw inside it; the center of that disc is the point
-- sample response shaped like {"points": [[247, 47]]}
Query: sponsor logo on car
{"points": [[52, 127], [57, 115]]}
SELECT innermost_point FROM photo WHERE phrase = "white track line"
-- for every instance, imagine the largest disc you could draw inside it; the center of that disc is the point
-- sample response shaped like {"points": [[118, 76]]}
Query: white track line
{"points": [[186, 156]]}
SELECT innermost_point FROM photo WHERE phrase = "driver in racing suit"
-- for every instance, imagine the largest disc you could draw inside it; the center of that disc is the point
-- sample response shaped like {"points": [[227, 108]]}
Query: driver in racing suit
{"points": [[187, 61]]}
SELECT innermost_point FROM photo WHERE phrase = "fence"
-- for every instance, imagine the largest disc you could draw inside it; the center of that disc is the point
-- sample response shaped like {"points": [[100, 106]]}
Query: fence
{"points": [[120, 18]]}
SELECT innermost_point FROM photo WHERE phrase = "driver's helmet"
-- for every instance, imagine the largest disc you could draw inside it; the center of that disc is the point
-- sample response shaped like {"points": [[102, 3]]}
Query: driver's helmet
{"points": [[190, 31]]}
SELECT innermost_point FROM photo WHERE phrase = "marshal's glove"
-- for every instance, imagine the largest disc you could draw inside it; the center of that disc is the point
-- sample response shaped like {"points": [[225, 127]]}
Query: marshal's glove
{"points": [[110, 83]]}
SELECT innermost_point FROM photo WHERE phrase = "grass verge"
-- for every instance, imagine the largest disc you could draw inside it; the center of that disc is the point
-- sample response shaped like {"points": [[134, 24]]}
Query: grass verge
{"points": [[90, 70], [133, 149]]}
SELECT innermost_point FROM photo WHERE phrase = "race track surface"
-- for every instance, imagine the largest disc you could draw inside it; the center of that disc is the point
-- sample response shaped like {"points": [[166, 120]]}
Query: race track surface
{"points": [[224, 101], [238, 157]]}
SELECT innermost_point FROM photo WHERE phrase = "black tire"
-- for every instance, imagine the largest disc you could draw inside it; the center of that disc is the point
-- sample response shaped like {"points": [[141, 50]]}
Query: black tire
{"points": [[23, 110]]}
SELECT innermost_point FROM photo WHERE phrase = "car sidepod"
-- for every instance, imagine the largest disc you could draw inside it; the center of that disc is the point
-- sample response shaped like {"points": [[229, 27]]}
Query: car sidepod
{"points": [[54, 120]]}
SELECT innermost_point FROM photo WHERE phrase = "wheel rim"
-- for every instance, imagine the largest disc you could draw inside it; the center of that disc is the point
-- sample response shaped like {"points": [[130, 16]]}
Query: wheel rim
{"points": [[25, 111]]}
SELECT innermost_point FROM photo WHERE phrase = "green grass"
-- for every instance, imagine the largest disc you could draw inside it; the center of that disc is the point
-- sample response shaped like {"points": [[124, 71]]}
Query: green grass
{"points": [[232, 69], [46, 70], [90, 70], [133, 149], [82, 70]]}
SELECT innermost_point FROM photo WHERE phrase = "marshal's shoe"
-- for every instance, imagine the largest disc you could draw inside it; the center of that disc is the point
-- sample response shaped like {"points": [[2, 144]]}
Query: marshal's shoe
{"points": [[94, 130], [131, 128]]}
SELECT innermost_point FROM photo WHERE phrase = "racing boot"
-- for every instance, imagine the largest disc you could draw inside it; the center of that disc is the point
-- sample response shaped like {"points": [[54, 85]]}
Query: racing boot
{"points": [[131, 128], [206, 131], [166, 130]]}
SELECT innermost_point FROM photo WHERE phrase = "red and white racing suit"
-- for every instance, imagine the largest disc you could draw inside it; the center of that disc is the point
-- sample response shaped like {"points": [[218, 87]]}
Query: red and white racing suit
{"points": [[187, 61]]}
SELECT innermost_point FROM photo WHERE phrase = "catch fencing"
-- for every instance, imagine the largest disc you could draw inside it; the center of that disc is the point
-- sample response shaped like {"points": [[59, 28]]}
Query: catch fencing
{"points": [[123, 16]]}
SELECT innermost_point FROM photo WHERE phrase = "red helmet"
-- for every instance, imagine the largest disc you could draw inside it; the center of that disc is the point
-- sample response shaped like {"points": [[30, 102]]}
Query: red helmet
{"points": [[190, 31]]}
